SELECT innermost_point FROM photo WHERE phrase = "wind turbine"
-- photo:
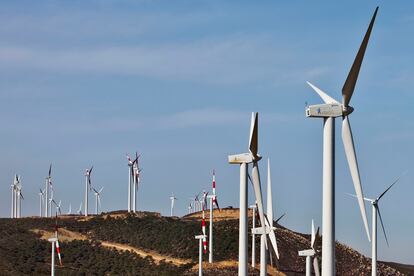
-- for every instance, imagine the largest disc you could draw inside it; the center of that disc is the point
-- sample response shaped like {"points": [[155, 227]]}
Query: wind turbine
{"points": [[70, 209], [329, 111], [19, 197], [376, 212], [88, 186], [173, 199], [269, 229], [41, 202], [203, 221], [200, 238], [97, 199], [48, 183], [136, 172], [55, 244], [58, 209], [243, 160], [79, 212], [312, 253], [14, 196], [213, 201], [131, 180]]}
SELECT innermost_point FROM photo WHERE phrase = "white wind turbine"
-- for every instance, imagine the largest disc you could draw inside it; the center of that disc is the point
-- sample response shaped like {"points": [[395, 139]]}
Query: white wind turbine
{"points": [[136, 181], [269, 229], [200, 239], [58, 209], [19, 197], [131, 181], [88, 186], [329, 111], [79, 211], [41, 201], [46, 191], [243, 160], [97, 199], [173, 199], [213, 201], [312, 253], [376, 212], [14, 196], [70, 209]]}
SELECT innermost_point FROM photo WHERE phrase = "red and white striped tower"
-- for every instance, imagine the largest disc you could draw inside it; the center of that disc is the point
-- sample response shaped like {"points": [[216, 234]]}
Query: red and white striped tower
{"points": [[203, 223]]}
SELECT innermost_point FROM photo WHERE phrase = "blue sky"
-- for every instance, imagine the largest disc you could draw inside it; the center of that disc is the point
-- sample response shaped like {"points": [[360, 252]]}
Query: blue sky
{"points": [[84, 82]]}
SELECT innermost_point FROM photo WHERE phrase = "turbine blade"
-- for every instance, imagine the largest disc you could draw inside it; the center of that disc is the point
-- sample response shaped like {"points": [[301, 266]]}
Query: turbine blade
{"points": [[390, 186], [349, 85], [325, 97], [100, 191], [253, 141], [316, 266], [382, 225], [353, 166], [273, 241], [313, 235], [258, 194], [277, 221], [50, 170], [269, 194]]}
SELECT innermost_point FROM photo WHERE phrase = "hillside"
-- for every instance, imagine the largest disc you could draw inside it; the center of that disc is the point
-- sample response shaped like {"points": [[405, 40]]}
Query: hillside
{"points": [[149, 244]]}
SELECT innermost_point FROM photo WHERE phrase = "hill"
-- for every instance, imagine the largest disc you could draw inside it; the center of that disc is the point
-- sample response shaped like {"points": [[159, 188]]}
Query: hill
{"points": [[146, 243]]}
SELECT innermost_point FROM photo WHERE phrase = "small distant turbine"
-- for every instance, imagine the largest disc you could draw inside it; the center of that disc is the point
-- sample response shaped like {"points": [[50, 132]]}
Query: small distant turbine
{"points": [[41, 202], [70, 209], [376, 212], [88, 186], [173, 199], [79, 212], [97, 199], [46, 191], [213, 202]]}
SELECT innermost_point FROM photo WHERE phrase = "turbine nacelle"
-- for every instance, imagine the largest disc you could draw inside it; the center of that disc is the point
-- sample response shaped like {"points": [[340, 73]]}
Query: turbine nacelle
{"points": [[243, 158], [328, 110], [307, 252]]}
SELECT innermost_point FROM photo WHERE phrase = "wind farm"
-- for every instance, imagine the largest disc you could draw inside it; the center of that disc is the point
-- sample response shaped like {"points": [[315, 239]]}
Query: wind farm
{"points": [[208, 108]]}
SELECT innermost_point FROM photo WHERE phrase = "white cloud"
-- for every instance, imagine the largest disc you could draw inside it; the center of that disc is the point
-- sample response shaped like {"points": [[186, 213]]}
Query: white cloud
{"points": [[238, 59]]}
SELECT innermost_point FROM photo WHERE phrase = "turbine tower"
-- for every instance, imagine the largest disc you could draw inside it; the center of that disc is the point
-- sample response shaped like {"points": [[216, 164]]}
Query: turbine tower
{"points": [[200, 238], [173, 199], [70, 209], [88, 186], [97, 199], [329, 111], [213, 201], [48, 183], [243, 160], [253, 207], [376, 212], [79, 212], [136, 180], [312, 253], [41, 202], [269, 230]]}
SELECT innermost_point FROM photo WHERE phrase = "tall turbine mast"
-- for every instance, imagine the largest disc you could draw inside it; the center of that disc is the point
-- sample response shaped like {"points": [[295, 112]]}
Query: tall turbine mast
{"points": [[88, 186], [48, 185], [329, 111], [243, 160]]}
